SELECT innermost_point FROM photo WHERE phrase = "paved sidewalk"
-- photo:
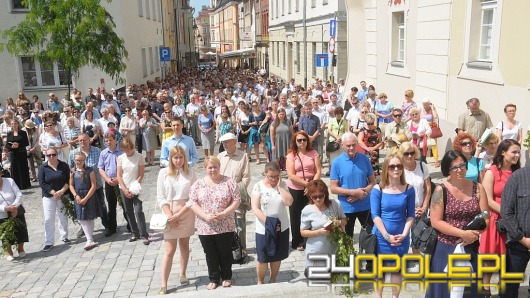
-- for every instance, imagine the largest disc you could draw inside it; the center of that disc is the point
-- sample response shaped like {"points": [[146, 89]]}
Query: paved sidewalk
{"points": [[118, 268]]}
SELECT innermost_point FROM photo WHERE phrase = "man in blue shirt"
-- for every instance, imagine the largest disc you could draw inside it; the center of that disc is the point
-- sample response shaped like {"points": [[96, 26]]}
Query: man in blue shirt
{"points": [[362, 94], [352, 179], [108, 169], [178, 138], [310, 124]]}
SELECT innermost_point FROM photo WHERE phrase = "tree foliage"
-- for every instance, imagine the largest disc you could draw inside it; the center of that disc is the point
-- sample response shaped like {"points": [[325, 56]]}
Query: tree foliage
{"points": [[74, 33]]}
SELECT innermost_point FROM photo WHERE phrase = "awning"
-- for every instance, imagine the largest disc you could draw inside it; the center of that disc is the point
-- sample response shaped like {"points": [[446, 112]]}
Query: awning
{"points": [[243, 53]]}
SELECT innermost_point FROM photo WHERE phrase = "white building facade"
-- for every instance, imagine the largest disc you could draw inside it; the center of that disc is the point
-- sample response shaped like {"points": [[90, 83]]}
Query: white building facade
{"points": [[139, 23], [291, 55]]}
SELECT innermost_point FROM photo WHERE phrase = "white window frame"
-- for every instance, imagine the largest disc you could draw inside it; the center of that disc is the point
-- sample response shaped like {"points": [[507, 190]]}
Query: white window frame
{"points": [[489, 6], [397, 55], [140, 8], [12, 9], [474, 68], [151, 61], [144, 62], [38, 75]]}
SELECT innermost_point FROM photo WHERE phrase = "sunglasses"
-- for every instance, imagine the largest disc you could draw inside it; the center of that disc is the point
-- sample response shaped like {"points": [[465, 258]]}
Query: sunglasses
{"points": [[318, 197], [51, 155], [369, 123], [395, 167], [397, 116], [301, 140], [465, 144], [409, 153]]}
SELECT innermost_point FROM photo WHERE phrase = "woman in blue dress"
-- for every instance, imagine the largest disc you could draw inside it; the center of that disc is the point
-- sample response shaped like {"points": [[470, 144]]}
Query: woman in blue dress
{"points": [[393, 206]]}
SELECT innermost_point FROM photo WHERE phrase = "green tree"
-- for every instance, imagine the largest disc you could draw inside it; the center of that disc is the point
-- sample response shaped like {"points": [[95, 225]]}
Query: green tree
{"points": [[74, 33]]}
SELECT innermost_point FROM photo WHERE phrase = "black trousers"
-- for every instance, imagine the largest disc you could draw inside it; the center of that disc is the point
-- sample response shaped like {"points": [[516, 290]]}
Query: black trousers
{"points": [[139, 142], [295, 213], [218, 250], [364, 218], [102, 207], [111, 193], [516, 261]]}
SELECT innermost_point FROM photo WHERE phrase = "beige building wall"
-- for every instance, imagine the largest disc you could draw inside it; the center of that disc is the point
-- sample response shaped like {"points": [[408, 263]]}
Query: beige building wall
{"points": [[441, 48]]}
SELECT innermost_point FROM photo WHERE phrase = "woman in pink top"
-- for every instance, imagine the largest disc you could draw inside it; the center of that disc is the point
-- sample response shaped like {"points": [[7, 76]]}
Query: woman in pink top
{"points": [[214, 199], [303, 165]]}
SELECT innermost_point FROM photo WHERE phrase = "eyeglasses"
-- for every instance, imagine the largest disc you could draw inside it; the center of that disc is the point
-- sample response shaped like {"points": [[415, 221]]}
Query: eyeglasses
{"points": [[395, 167], [466, 144], [301, 140], [127, 110], [369, 123], [273, 177], [397, 116], [409, 153], [364, 112], [51, 155], [461, 167], [318, 196], [79, 160]]}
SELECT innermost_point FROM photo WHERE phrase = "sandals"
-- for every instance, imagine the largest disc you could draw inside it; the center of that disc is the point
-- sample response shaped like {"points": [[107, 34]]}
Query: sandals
{"points": [[227, 283], [212, 286], [133, 238], [163, 291], [184, 280]]}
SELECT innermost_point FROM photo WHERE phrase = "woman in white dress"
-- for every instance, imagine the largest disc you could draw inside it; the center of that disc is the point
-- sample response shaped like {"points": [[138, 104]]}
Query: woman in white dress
{"points": [[510, 128], [173, 186], [128, 125]]}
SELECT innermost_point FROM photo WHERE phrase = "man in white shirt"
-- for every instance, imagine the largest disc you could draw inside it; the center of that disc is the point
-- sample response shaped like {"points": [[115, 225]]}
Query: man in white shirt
{"points": [[192, 113], [109, 101]]}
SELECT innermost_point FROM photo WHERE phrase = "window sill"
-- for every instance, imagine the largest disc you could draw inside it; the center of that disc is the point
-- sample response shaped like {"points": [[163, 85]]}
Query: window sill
{"points": [[19, 11], [481, 72], [46, 88], [398, 68]]}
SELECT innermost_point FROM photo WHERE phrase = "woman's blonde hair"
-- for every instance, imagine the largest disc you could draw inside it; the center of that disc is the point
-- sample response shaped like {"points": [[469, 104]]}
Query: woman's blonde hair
{"points": [[127, 143], [384, 178], [414, 111], [370, 117], [171, 168], [409, 93], [211, 159], [406, 146]]}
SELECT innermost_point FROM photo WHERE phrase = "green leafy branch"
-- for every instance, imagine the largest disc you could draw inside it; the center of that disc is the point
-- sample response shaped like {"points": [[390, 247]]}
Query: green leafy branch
{"points": [[68, 208], [344, 244], [8, 231]]}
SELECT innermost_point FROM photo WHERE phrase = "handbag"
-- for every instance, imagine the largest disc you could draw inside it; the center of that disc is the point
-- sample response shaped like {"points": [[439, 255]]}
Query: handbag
{"points": [[264, 128], [367, 239], [425, 236], [332, 146], [159, 221], [237, 250], [436, 132]]}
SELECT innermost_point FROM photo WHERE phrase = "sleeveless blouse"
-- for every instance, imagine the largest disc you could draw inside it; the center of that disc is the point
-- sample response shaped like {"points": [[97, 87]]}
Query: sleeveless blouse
{"points": [[459, 213]]}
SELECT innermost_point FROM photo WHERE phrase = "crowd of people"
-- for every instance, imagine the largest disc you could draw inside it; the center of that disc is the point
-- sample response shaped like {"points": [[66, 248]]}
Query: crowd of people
{"points": [[88, 151]]}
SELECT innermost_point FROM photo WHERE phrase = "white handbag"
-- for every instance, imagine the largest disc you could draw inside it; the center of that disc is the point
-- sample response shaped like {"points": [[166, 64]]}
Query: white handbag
{"points": [[159, 222]]}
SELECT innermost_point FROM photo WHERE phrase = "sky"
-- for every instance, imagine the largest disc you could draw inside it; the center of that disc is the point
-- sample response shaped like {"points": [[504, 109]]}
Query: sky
{"points": [[198, 5]]}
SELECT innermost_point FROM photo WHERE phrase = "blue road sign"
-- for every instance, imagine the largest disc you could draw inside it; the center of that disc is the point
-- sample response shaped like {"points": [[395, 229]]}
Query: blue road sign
{"points": [[165, 54], [332, 28], [322, 60]]}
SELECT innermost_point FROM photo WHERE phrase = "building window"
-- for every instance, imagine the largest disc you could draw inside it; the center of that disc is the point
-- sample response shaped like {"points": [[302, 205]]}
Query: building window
{"points": [[482, 39], [278, 54], [324, 2], [157, 61], [151, 61], [298, 62], [398, 39], [313, 3], [325, 69], [17, 6], [40, 74], [144, 63], [297, 5], [486, 29], [147, 14], [140, 8], [289, 5], [277, 9], [314, 52], [284, 60]]}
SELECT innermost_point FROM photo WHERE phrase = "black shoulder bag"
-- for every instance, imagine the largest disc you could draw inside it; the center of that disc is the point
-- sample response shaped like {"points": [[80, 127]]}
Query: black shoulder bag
{"points": [[426, 237]]}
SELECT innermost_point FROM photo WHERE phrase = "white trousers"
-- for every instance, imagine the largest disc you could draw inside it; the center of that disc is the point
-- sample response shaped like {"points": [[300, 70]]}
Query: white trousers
{"points": [[51, 207]]}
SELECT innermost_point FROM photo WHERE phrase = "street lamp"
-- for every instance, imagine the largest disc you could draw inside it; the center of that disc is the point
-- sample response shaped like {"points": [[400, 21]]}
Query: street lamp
{"points": [[197, 47], [189, 33]]}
